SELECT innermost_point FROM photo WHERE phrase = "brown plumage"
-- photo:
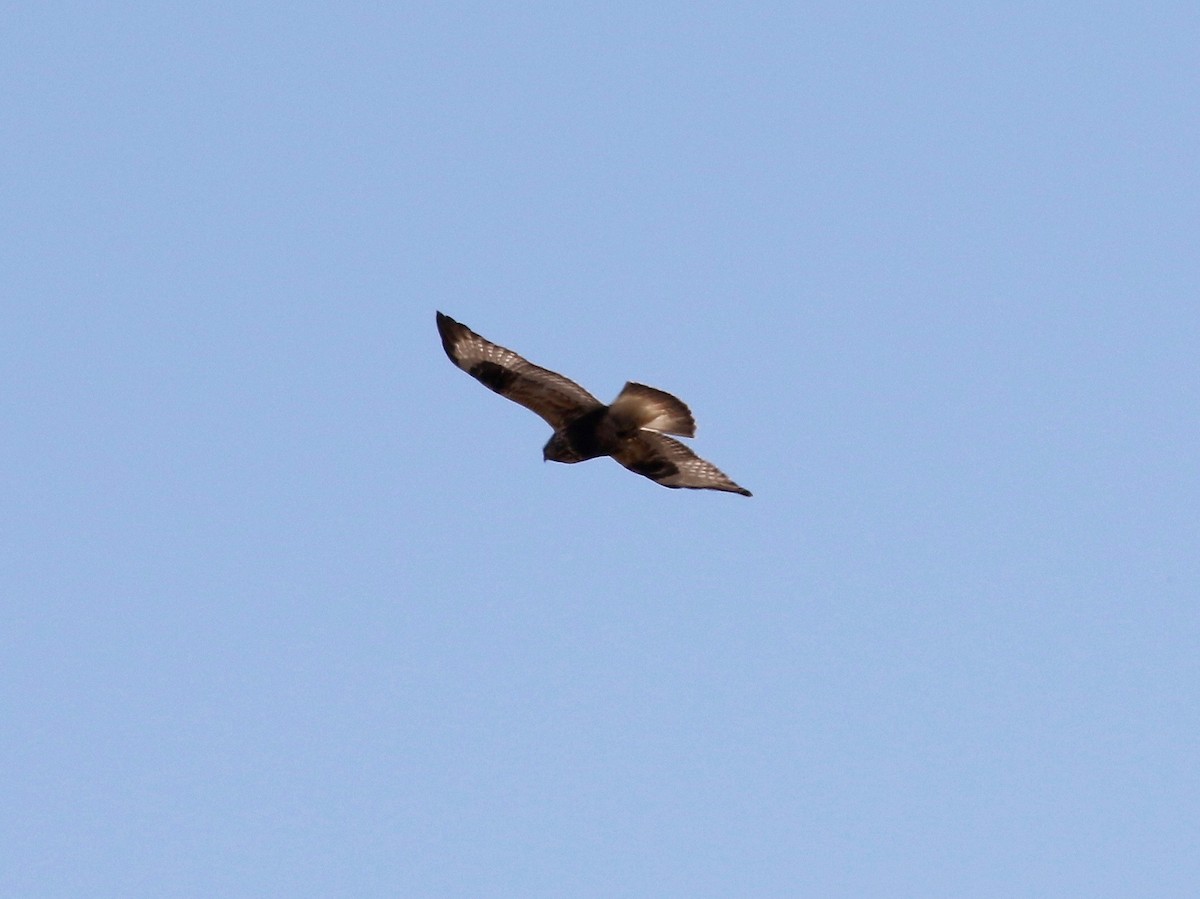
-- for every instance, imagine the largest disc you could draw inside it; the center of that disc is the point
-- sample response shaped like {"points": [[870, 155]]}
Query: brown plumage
{"points": [[632, 429]]}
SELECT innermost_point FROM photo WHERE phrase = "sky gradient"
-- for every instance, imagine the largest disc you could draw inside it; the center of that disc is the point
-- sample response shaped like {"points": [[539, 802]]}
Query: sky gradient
{"points": [[292, 607]]}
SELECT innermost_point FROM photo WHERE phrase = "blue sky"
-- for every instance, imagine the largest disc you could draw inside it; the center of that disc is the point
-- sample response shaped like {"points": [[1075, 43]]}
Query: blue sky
{"points": [[293, 608]]}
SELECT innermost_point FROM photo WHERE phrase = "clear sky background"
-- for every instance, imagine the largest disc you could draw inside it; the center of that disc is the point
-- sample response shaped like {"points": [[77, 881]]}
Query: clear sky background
{"points": [[292, 607]]}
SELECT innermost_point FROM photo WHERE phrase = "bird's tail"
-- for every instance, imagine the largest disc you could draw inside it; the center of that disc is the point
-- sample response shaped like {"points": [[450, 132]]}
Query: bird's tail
{"points": [[639, 406]]}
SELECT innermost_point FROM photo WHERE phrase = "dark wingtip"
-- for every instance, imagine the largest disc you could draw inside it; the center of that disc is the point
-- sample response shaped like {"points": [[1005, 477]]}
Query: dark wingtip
{"points": [[744, 492], [448, 328]]}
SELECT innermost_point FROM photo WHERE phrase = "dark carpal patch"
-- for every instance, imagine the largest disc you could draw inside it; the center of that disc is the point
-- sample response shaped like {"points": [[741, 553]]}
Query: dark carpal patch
{"points": [[494, 376], [655, 469]]}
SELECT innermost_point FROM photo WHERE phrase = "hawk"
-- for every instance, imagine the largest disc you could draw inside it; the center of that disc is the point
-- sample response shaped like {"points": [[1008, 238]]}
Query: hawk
{"points": [[632, 429]]}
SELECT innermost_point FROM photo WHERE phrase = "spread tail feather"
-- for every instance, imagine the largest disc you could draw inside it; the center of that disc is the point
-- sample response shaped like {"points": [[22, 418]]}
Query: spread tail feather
{"points": [[639, 406]]}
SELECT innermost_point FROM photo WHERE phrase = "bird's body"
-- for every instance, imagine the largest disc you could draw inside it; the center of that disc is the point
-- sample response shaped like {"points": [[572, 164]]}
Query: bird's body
{"points": [[591, 435], [632, 429]]}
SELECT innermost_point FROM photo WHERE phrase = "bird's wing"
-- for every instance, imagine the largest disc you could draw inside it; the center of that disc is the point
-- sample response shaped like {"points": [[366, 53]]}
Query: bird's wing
{"points": [[556, 399], [668, 462]]}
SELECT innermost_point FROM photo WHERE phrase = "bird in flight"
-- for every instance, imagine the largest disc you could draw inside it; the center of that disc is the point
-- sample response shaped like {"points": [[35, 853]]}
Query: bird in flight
{"points": [[632, 429]]}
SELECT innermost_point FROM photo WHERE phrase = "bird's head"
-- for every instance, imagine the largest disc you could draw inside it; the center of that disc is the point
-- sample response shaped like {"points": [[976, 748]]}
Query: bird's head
{"points": [[558, 450]]}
